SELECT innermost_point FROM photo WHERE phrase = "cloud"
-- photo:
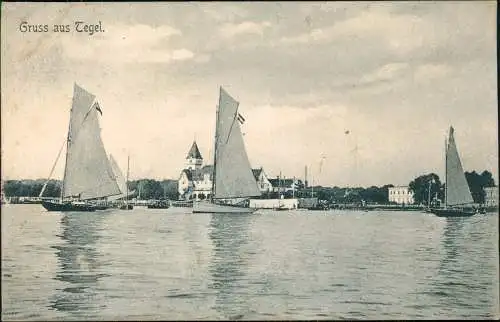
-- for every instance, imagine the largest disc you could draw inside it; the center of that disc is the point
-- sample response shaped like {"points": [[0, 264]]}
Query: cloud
{"points": [[126, 44], [397, 75], [224, 13], [230, 30], [385, 73], [432, 71], [401, 33]]}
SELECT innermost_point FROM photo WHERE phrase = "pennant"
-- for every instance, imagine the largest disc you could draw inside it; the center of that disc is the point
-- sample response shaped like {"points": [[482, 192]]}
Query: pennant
{"points": [[97, 107], [241, 119]]}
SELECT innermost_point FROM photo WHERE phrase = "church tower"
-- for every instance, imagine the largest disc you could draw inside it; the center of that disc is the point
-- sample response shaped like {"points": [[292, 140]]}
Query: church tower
{"points": [[194, 159]]}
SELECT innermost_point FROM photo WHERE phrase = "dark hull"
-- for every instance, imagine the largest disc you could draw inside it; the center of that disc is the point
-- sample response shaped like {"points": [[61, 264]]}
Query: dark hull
{"points": [[100, 207], [491, 209], [453, 212], [56, 206], [182, 204], [317, 208], [126, 207], [158, 206]]}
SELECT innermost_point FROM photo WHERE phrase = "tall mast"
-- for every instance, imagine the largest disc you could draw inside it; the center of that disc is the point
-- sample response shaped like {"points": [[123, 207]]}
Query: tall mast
{"points": [[445, 172], [429, 194], [279, 190], [215, 148], [68, 139], [312, 183], [126, 185]]}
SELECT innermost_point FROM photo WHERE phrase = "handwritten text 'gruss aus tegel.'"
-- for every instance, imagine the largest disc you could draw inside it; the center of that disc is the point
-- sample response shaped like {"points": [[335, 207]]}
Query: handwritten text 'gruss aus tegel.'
{"points": [[78, 26]]}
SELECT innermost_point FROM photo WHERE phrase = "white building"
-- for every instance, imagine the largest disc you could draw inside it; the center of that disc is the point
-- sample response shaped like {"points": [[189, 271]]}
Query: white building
{"points": [[284, 185], [491, 196], [195, 181], [401, 195], [262, 180]]}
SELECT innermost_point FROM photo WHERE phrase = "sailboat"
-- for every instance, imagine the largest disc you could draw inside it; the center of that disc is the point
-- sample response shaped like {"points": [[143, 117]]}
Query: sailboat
{"points": [[88, 176], [122, 183], [458, 198], [127, 206], [233, 181]]}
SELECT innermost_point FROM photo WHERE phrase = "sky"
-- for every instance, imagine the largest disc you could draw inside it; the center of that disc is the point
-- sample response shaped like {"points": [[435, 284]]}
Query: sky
{"points": [[392, 75]]}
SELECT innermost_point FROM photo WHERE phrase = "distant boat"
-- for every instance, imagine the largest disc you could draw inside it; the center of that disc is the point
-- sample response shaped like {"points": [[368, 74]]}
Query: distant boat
{"points": [[122, 183], [233, 181], [182, 203], [127, 206], [458, 198], [159, 204], [88, 176]]}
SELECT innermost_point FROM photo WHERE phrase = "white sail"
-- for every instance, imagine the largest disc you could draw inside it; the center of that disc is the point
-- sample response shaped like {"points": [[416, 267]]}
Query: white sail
{"points": [[87, 174], [457, 189], [120, 179], [233, 174]]}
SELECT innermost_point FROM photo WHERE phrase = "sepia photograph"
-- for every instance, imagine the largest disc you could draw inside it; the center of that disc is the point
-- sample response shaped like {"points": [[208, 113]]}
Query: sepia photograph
{"points": [[332, 160]]}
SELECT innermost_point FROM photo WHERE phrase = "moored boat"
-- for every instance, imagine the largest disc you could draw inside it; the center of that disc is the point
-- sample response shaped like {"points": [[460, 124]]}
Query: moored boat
{"points": [[87, 174], [233, 180], [458, 198], [122, 184], [159, 204], [67, 206], [182, 203]]}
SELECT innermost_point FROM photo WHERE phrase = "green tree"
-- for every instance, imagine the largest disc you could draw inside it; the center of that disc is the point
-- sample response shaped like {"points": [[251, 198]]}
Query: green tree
{"points": [[420, 187], [488, 180], [477, 183], [375, 194], [170, 189]]}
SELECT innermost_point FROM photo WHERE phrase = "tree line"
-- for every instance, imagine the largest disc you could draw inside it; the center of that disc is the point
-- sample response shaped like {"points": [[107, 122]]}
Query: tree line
{"points": [[429, 187], [143, 188], [154, 189], [423, 187]]}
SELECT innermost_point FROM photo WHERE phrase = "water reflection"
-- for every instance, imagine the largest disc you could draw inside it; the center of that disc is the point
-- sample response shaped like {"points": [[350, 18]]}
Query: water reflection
{"points": [[78, 263], [451, 287], [453, 234], [229, 235]]}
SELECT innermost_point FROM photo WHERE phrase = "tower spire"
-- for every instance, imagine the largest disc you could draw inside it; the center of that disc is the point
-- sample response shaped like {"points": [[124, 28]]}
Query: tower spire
{"points": [[194, 158]]}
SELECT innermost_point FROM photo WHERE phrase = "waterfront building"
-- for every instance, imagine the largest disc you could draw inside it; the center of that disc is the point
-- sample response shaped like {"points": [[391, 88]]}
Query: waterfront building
{"points": [[491, 196], [195, 180], [262, 180], [285, 185], [401, 195]]}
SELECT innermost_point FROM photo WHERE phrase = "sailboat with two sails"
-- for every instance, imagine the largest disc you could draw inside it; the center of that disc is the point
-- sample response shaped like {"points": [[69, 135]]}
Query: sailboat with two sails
{"points": [[458, 198], [233, 182], [88, 176]]}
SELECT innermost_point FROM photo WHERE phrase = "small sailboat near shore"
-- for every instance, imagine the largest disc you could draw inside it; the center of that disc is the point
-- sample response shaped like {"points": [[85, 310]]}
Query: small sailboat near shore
{"points": [[122, 184], [233, 181], [88, 177], [458, 198]]}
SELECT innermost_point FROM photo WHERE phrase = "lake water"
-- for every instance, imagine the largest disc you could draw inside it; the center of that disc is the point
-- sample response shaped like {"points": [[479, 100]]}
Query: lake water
{"points": [[159, 264]]}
